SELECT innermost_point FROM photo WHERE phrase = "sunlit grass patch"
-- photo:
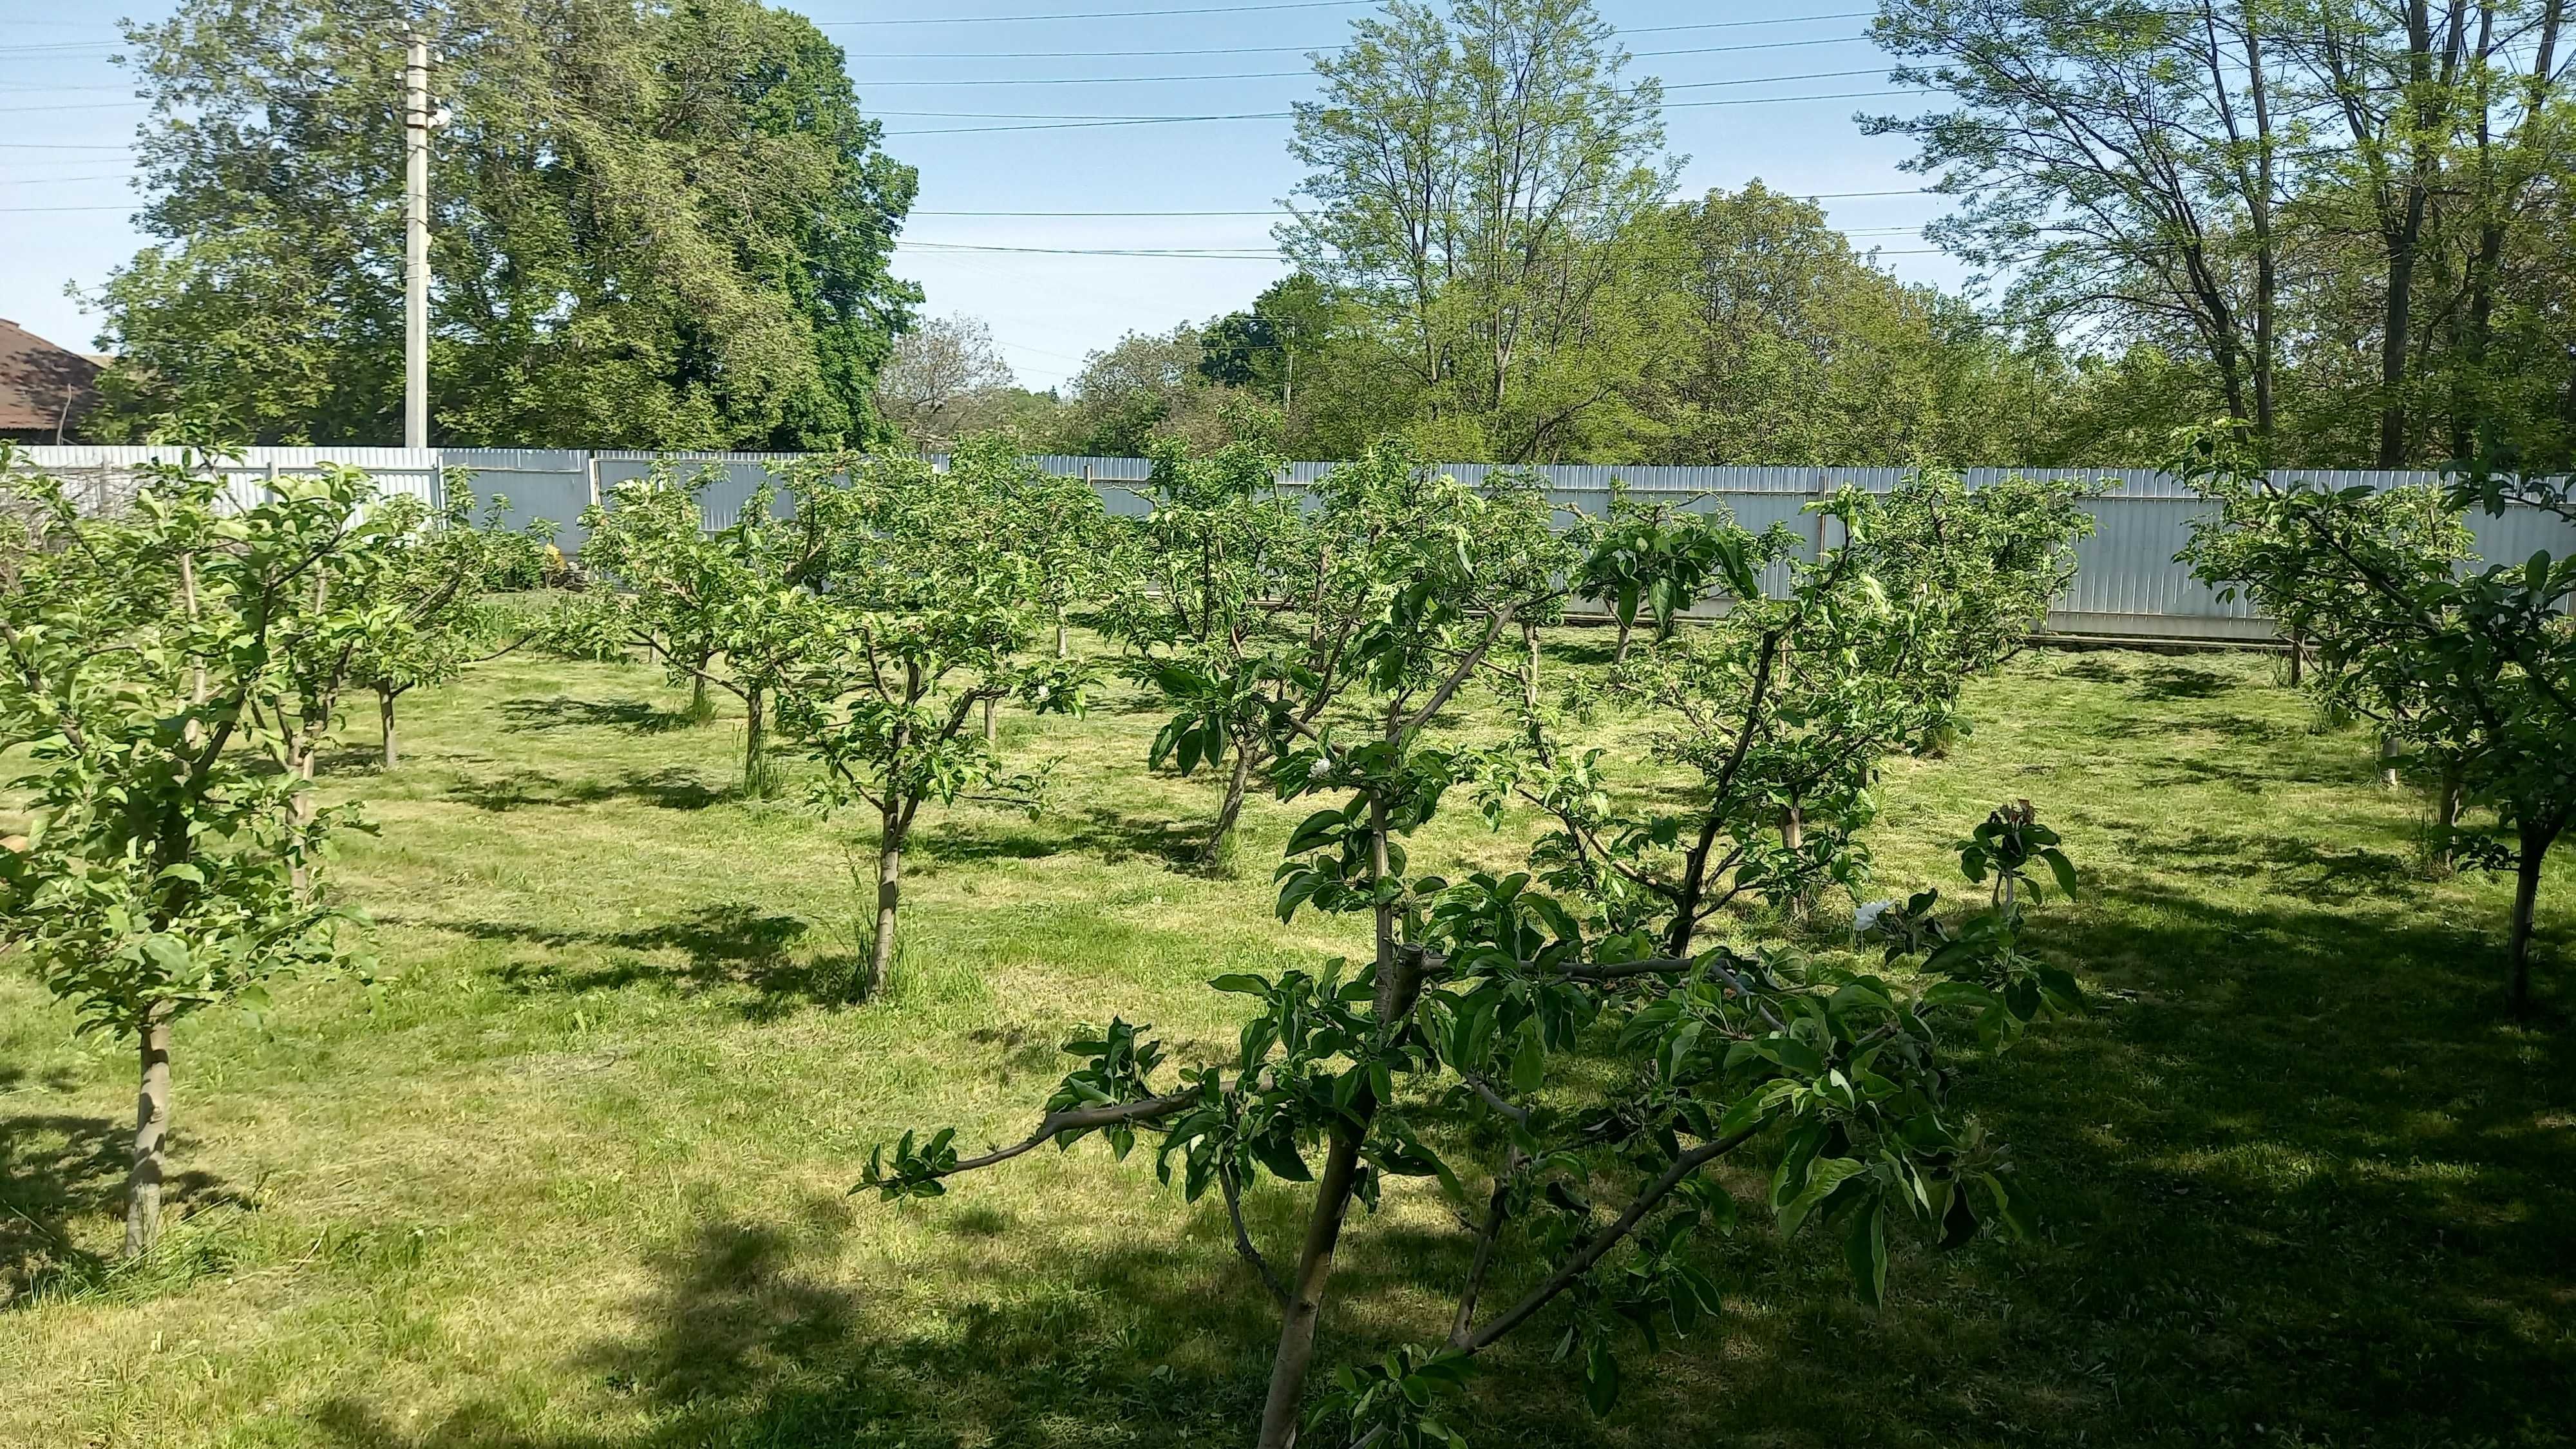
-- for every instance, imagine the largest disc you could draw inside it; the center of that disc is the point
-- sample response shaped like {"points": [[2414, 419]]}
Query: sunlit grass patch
{"points": [[575, 1175]]}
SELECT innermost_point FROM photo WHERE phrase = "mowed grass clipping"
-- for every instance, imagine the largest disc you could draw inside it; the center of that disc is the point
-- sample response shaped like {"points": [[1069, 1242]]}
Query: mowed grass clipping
{"points": [[573, 1173]]}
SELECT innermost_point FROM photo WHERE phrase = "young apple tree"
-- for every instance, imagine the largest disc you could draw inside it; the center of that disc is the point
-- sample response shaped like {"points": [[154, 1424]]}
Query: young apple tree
{"points": [[1650, 558], [1259, 599], [921, 611], [2475, 669], [1466, 1052], [1784, 707], [147, 673], [1234, 619], [730, 609], [434, 568], [1061, 528]]}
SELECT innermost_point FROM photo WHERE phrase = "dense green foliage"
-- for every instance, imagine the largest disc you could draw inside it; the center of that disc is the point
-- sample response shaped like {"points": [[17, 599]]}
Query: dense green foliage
{"points": [[1480, 993], [159, 673], [2474, 670], [2342, 224], [653, 226]]}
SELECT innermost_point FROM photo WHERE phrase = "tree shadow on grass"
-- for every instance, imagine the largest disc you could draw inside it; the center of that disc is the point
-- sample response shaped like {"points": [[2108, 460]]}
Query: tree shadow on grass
{"points": [[724, 946], [665, 789], [56, 1169], [531, 715], [2183, 681], [1112, 834], [1587, 648], [2294, 1169]]}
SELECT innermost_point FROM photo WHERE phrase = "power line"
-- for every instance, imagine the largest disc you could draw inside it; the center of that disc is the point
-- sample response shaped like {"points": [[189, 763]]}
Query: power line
{"points": [[1090, 123], [1105, 14], [865, 83], [1112, 116], [1282, 212], [1093, 125], [59, 46], [1238, 255], [1294, 49]]}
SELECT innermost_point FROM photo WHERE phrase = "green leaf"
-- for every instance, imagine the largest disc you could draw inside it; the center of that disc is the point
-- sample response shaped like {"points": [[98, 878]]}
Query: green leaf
{"points": [[2062, 868], [167, 955], [1278, 1152], [1865, 1248], [1600, 1377], [1822, 1179], [1237, 981], [2011, 1205], [1958, 993], [1529, 1059]]}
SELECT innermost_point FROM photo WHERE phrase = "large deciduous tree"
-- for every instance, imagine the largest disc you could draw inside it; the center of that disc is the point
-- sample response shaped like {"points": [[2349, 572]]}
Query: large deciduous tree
{"points": [[945, 379], [2344, 216], [1472, 177], [660, 226], [1783, 343], [2120, 162]]}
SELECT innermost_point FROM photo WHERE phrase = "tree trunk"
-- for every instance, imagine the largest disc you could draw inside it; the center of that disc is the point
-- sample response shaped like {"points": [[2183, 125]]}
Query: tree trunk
{"points": [[151, 1131], [701, 708], [1060, 650], [992, 735], [1793, 827], [2298, 658], [385, 719], [1620, 654], [889, 896], [300, 749], [2447, 806], [1399, 983], [1529, 671], [2388, 754], [1236, 784], [755, 761], [1296, 1355], [2535, 842]]}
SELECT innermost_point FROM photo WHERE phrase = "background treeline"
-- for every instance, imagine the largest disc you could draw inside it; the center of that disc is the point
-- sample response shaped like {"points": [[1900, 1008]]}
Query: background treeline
{"points": [[2344, 224]]}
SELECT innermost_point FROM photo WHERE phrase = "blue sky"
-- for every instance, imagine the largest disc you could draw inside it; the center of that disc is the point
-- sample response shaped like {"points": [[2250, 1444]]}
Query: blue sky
{"points": [[66, 112]]}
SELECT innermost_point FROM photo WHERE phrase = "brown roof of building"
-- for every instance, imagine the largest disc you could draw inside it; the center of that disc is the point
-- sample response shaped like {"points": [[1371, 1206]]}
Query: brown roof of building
{"points": [[37, 377]]}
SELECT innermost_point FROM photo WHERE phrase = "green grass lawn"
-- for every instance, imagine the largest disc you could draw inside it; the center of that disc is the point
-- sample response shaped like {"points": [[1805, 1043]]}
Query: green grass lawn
{"points": [[572, 1176]]}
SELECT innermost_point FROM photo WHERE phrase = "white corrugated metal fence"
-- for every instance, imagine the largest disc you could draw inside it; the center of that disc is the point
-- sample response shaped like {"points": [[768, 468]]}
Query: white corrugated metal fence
{"points": [[2127, 584]]}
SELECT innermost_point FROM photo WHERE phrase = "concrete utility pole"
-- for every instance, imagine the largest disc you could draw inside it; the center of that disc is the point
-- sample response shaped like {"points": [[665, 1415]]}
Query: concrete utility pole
{"points": [[416, 124]]}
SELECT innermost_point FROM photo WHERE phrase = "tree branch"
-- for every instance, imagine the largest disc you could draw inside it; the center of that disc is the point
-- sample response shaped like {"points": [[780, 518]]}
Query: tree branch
{"points": [[1592, 1252], [1243, 1237]]}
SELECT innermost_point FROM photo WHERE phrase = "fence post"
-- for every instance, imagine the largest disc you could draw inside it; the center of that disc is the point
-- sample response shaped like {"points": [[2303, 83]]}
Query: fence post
{"points": [[590, 474], [1824, 489]]}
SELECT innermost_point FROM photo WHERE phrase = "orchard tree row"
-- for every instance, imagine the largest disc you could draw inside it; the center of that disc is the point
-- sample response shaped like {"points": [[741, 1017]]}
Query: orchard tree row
{"points": [[173, 667]]}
